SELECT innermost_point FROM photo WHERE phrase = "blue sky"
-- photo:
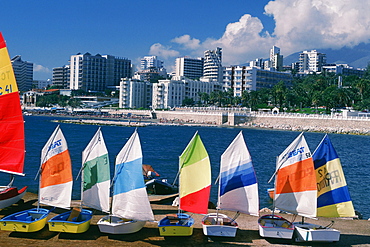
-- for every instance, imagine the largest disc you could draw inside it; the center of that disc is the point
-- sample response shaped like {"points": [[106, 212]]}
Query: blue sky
{"points": [[47, 33]]}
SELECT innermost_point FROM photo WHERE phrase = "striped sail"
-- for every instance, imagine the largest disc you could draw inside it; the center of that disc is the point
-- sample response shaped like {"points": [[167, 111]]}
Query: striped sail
{"points": [[130, 199], [56, 172], [195, 177], [238, 189], [96, 174], [333, 198], [295, 184], [12, 145]]}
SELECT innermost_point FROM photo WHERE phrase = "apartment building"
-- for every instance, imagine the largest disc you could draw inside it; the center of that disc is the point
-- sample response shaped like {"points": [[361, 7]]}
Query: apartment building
{"points": [[23, 72], [212, 68], [61, 77], [97, 72], [135, 93], [171, 93], [191, 68], [246, 78], [311, 61]]}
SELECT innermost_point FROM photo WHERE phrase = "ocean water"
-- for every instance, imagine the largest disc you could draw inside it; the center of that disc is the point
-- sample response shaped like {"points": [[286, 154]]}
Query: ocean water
{"points": [[162, 145]]}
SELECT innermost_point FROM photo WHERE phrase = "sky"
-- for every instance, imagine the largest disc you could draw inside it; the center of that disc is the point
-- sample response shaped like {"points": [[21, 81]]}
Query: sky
{"points": [[47, 33]]}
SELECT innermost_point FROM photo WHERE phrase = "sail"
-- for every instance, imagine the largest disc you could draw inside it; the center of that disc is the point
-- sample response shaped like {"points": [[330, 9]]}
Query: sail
{"points": [[56, 172], [96, 174], [195, 177], [12, 145], [130, 199], [238, 189], [333, 198], [295, 184]]}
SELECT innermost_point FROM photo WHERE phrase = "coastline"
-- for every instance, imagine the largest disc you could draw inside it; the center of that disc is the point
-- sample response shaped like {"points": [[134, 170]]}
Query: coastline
{"points": [[353, 232]]}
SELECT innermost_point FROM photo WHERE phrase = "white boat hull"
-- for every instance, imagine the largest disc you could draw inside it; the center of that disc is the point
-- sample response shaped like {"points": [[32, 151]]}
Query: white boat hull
{"points": [[273, 226], [116, 225], [10, 201], [219, 225], [315, 233]]}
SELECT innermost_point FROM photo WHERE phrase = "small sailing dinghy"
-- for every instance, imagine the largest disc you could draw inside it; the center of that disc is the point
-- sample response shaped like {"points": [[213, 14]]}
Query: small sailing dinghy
{"points": [[55, 186], [238, 190], [95, 184], [12, 145], [194, 189], [333, 198], [130, 208], [295, 190]]}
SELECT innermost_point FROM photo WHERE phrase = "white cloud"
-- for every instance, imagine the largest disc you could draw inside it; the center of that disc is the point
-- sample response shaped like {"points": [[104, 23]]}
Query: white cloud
{"points": [[163, 51], [40, 68], [299, 25], [305, 24], [187, 42]]}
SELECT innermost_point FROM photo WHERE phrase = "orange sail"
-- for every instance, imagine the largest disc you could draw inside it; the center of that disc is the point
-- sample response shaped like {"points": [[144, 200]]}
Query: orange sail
{"points": [[56, 172], [12, 145]]}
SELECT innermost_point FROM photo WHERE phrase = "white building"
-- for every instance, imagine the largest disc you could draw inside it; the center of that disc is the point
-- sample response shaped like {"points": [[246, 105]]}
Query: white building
{"points": [[171, 93], [311, 61], [61, 77], [23, 72], [150, 62], [276, 60], [191, 68], [96, 73], [245, 78], [212, 68], [135, 93]]}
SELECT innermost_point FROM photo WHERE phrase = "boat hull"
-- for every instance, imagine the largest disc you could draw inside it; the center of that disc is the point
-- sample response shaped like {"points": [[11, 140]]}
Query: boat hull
{"points": [[274, 226], [80, 224], [219, 225], [31, 220], [160, 187], [116, 225], [9, 196], [308, 232], [176, 225]]}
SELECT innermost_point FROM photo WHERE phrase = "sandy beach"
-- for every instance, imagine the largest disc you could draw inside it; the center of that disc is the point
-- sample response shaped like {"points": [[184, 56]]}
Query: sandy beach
{"points": [[353, 232]]}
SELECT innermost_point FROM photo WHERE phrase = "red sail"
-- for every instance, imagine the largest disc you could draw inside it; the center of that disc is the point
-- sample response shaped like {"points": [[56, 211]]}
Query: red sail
{"points": [[12, 144]]}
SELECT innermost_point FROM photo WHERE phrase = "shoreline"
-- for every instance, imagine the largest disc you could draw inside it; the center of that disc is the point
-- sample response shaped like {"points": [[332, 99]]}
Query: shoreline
{"points": [[353, 232], [252, 125]]}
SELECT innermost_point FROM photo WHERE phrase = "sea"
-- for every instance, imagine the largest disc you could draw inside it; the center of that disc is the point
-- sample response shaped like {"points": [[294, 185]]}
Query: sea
{"points": [[162, 146]]}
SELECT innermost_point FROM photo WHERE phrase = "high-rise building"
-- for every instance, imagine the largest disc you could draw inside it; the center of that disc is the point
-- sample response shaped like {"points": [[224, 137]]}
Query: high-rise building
{"points": [[276, 60], [23, 72], [191, 68], [96, 73], [212, 68], [311, 61], [61, 77], [148, 62]]}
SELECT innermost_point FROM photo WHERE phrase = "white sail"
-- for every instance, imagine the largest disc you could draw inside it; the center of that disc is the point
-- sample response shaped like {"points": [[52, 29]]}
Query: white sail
{"points": [[56, 172], [295, 184], [96, 174], [130, 199], [238, 189]]}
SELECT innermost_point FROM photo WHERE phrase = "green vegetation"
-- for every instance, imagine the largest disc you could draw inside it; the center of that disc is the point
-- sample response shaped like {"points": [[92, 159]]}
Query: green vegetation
{"points": [[314, 93]]}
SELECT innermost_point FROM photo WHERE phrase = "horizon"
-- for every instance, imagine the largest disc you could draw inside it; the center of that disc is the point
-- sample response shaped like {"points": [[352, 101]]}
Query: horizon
{"points": [[49, 33]]}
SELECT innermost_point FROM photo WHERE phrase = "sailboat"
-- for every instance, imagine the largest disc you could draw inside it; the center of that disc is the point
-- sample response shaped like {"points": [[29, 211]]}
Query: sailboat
{"points": [[95, 185], [130, 208], [194, 189], [12, 145], [55, 186], [295, 190], [333, 198], [238, 190]]}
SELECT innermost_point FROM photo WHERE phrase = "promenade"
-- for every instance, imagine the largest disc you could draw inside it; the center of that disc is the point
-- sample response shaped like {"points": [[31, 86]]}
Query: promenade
{"points": [[353, 232]]}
